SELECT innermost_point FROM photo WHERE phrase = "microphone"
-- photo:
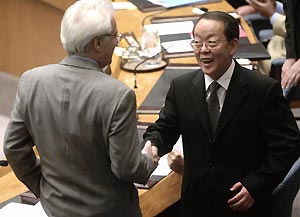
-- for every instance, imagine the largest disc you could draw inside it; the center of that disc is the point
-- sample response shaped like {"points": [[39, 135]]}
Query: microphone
{"points": [[149, 58], [162, 50], [143, 61], [3, 163]]}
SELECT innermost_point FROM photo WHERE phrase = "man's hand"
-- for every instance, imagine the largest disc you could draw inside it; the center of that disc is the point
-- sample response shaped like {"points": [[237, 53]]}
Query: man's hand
{"points": [[245, 9], [290, 74], [175, 161], [152, 151], [242, 200], [266, 8]]}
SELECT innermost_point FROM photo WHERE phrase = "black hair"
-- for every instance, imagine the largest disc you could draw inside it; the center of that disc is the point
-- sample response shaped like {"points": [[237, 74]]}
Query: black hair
{"points": [[231, 25]]}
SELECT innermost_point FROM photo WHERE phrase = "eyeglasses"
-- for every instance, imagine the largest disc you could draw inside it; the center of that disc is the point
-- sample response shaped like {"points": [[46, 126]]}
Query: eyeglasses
{"points": [[118, 36], [209, 44]]}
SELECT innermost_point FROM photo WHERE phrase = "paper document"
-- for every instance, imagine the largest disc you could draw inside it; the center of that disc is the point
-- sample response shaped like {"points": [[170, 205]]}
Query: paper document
{"points": [[18, 209], [163, 168], [123, 6], [243, 61], [177, 46], [171, 28], [243, 34], [174, 3]]}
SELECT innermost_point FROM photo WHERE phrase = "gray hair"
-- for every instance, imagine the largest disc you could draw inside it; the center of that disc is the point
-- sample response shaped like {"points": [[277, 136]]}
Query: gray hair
{"points": [[83, 21]]}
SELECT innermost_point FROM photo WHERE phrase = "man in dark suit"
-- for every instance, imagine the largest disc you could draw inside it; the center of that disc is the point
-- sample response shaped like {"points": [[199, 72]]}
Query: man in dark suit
{"points": [[83, 124], [290, 75], [235, 157]]}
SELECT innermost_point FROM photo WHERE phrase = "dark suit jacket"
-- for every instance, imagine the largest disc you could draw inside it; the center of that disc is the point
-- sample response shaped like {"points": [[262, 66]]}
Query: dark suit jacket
{"points": [[292, 23], [256, 142]]}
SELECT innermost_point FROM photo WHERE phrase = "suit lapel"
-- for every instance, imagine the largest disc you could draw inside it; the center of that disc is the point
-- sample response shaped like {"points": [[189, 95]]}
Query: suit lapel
{"points": [[198, 94], [235, 95]]}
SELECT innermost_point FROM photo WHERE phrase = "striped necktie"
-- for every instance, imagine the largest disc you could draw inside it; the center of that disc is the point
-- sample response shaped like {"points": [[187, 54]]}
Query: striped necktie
{"points": [[213, 105]]}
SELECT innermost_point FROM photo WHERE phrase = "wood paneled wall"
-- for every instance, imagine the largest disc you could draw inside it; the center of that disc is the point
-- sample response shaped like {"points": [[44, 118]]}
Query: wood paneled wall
{"points": [[29, 33]]}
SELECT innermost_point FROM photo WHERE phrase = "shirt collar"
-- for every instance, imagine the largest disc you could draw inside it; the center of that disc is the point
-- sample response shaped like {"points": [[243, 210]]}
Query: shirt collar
{"points": [[85, 58], [224, 80]]}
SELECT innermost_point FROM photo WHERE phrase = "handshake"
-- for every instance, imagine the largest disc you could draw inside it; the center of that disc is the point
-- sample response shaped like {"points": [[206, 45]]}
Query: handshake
{"points": [[152, 151], [175, 157]]}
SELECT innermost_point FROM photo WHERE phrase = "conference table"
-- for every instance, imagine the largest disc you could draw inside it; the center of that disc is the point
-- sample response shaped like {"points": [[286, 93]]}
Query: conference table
{"points": [[167, 191]]}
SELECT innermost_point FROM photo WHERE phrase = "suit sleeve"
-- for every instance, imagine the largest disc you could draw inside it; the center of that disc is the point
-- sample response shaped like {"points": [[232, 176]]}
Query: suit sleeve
{"points": [[127, 162], [165, 132], [18, 146], [280, 130], [290, 35]]}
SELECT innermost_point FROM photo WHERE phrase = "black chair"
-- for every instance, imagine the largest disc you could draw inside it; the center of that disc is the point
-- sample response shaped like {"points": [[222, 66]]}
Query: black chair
{"points": [[3, 163], [265, 35], [261, 27]]}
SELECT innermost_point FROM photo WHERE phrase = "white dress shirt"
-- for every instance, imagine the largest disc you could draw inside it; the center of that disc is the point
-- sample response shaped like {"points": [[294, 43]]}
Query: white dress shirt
{"points": [[224, 81]]}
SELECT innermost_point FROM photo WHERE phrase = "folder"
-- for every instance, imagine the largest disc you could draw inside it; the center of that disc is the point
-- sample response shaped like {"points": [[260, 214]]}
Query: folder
{"points": [[156, 97], [147, 6], [29, 198], [252, 52]]}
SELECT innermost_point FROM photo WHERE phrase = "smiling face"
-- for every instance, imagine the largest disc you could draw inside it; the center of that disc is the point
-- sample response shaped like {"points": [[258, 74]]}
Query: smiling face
{"points": [[214, 61]]}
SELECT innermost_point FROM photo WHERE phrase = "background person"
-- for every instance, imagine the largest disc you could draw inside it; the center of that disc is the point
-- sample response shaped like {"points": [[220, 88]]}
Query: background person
{"points": [[272, 10], [290, 75]]}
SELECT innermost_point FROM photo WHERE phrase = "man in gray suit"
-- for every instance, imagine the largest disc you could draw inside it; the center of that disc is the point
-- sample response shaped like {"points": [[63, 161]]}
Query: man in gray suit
{"points": [[83, 124]]}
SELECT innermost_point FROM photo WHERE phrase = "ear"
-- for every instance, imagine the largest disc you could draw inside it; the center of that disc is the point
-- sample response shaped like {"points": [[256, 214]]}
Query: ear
{"points": [[97, 44], [234, 46]]}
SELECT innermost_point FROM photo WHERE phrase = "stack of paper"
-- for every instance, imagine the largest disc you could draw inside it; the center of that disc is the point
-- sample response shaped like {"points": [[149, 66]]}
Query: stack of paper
{"points": [[174, 28], [123, 6], [174, 3], [18, 209]]}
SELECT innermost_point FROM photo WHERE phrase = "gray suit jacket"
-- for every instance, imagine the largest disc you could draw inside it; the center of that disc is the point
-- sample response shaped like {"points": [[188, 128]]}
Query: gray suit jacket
{"points": [[83, 123]]}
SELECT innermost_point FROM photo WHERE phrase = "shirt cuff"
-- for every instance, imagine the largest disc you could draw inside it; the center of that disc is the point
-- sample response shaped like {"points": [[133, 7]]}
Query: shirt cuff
{"points": [[274, 17]]}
